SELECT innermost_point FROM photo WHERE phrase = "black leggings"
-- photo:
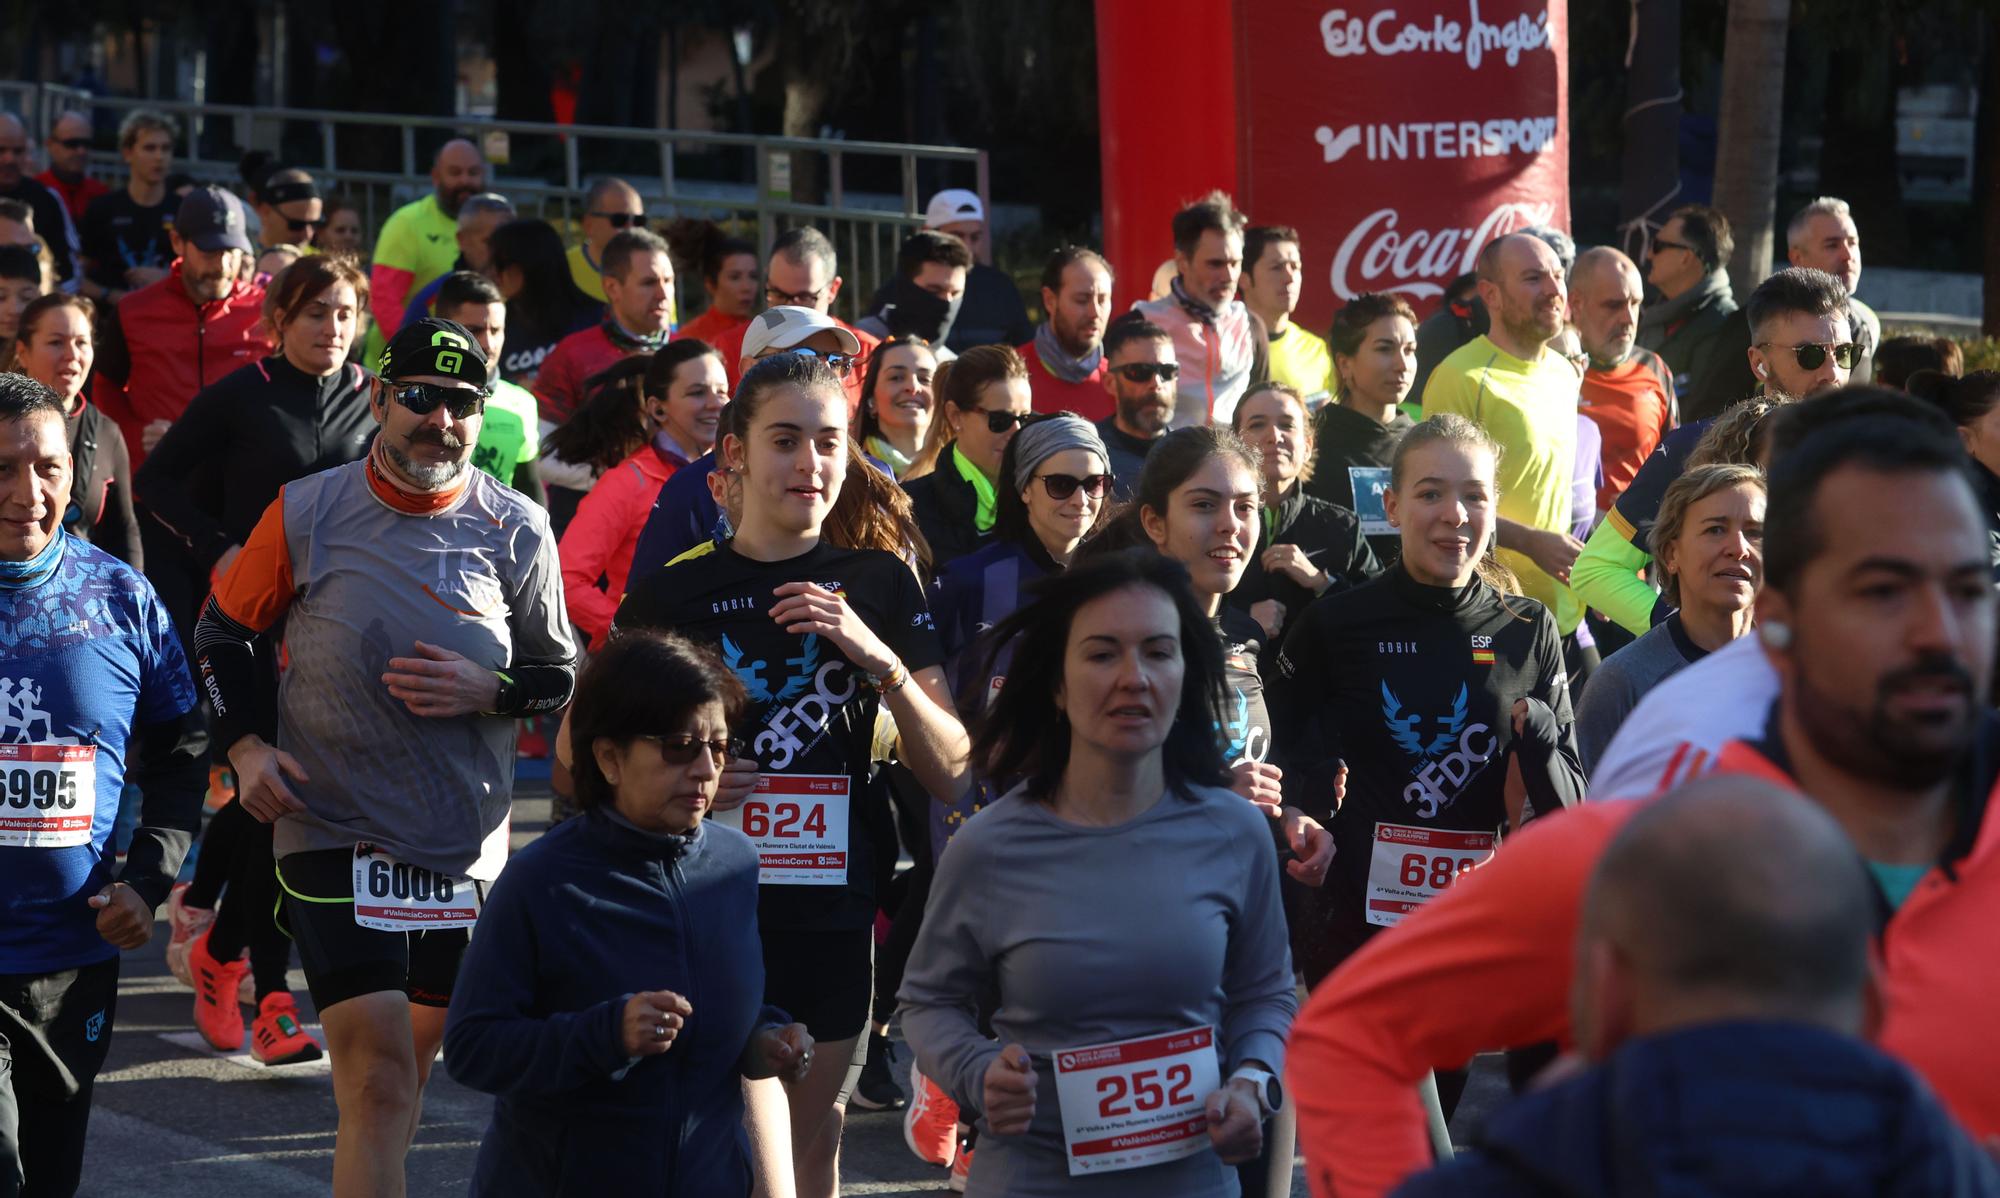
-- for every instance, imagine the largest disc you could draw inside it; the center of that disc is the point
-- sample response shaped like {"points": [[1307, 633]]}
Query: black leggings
{"points": [[247, 918]]}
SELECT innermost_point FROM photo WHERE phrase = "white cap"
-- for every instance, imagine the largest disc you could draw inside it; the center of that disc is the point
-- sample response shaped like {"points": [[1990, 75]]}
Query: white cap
{"points": [[952, 205], [787, 326]]}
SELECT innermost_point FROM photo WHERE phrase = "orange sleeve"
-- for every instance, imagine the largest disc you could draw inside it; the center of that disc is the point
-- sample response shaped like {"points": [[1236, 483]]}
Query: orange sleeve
{"points": [[258, 587], [589, 547], [1484, 966]]}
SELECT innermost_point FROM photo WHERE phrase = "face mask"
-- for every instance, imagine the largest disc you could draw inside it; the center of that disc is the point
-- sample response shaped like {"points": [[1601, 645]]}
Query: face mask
{"points": [[914, 312]]}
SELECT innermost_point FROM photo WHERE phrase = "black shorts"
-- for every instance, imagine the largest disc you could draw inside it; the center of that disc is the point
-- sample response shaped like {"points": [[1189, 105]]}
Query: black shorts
{"points": [[55, 1029], [344, 960], [821, 979]]}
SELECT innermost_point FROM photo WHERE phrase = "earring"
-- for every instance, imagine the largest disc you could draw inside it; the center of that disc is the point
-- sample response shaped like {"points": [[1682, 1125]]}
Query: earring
{"points": [[1776, 634]]}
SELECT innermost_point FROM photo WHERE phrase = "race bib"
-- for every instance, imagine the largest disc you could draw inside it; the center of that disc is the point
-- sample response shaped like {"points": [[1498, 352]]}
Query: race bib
{"points": [[395, 896], [1369, 482], [1136, 1102], [1411, 866], [799, 824], [48, 795]]}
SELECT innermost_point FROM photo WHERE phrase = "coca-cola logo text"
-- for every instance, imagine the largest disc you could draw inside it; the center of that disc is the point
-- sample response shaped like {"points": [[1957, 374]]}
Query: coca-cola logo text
{"points": [[1382, 34], [1378, 256]]}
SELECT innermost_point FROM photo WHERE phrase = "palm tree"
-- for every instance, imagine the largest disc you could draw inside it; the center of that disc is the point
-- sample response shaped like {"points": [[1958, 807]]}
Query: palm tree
{"points": [[1746, 154]]}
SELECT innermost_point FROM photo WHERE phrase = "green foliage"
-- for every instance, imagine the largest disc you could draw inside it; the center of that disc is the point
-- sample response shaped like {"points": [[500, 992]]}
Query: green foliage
{"points": [[1981, 353]]}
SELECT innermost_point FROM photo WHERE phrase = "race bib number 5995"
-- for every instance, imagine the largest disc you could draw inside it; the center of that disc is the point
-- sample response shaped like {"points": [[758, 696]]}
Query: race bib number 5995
{"points": [[48, 795]]}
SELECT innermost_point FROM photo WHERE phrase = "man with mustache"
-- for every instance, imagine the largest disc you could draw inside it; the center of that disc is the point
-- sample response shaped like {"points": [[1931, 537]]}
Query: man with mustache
{"points": [[419, 241], [1877, 616], [421, 603], [1140, 369], [1511, 381]]}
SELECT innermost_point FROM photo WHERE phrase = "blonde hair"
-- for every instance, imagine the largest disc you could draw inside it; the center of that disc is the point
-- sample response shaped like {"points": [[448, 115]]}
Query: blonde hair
{"points": [[1448, 428], [1697, 484]]}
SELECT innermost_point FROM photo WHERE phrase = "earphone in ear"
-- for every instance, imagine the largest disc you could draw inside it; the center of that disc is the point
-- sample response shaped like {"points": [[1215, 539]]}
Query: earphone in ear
{"points": [[1761, 372], [1776, 634]]}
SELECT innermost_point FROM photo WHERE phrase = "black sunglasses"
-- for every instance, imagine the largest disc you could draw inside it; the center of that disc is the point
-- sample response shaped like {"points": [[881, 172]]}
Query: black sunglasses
{"points": [[1811, 355], [681, 748], [1141, 372], [1061, 486], [1002, 422], [1662, 244], [300, 226], [424, 398], [71, 143], [620, 220]]}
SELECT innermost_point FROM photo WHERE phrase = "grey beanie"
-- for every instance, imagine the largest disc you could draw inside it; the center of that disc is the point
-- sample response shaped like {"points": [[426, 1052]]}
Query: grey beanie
{"points": [[1043, 439]]}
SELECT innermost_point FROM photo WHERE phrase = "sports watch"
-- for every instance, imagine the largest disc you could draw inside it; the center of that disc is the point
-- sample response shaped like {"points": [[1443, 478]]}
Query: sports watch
{"points": [[1270, 1095]]}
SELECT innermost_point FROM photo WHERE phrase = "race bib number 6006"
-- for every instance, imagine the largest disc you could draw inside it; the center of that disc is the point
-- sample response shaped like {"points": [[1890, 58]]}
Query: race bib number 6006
{"points": [[395, 896]]}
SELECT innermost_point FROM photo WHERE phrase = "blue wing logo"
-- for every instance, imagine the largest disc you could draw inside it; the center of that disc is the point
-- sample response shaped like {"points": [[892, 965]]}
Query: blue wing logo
{"points": [[1403, 728], [753, 682], [1237, 730], [804, 664]]}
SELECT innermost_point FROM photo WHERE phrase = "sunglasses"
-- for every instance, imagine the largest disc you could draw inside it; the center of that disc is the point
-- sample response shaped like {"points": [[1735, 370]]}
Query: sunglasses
{"points": [[1812, 354], [620, 220], [71, 143], [300, 226], [681, 748], [1004, 422], [1061, 486], [424, 398], [1142, 372], [841, 364], [1660, 244]]}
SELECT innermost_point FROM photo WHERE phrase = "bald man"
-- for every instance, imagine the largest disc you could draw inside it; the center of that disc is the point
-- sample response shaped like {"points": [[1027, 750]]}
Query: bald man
{"points": [[68, 151], [1721, 990], [52, 220], [610, 207], [1524, 392], [419, 241], [1628, 392]]}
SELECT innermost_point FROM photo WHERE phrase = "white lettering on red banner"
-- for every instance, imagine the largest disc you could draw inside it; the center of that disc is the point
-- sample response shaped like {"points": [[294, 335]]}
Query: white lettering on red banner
{"points": [[1379, 255], [1440, 139], [1385, 35]]}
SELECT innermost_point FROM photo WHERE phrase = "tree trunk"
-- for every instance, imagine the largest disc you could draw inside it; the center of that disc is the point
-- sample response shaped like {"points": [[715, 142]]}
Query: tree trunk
{"points": [[1746, 153], [1650, 174]]}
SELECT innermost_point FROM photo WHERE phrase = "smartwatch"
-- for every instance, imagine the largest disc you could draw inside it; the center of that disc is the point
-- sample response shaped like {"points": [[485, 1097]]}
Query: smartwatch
{"points": [[1270, 1095]]}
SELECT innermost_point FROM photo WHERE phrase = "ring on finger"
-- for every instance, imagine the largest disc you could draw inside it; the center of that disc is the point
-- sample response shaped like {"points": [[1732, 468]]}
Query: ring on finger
{"points": [[659, 1031]]}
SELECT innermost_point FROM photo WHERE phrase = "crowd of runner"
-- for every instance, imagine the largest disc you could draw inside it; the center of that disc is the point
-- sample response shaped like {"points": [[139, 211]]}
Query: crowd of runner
{"points": [[1204, 671]]}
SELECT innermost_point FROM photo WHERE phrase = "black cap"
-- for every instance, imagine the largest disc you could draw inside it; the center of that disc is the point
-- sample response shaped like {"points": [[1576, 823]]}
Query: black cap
{"points": [[434, 346], [213, 220]]}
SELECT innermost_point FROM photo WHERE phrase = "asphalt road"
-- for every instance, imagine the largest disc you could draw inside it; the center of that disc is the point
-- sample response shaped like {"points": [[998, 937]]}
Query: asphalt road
{"points": [[172, 1117]]}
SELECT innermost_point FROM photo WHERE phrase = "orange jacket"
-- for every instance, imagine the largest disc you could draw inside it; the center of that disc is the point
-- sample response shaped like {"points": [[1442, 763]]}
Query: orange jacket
{"points": [[603, 534], [1487, 965]]}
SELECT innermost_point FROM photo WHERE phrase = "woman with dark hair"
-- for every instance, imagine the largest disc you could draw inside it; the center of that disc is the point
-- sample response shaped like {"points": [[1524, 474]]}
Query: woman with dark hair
{"points": [[54, 344], [302, 410], [20, 282], [731, 275], [343, 232], [613, 1000], [1427, 682], [1374, 346], [898, 405], [1973, 403], [544, 305], [1161, 1017], [824, 638], [684, 389], [1307, 545], [954, 483], [607, 427]]}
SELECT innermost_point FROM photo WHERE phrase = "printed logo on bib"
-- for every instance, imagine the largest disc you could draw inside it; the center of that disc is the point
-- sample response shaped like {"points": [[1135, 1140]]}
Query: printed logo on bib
{"points": [[1369, 482], [395, 896], [1137, 1102], [798, 711], [1411, 866], [798, 823], [1452, 756]]}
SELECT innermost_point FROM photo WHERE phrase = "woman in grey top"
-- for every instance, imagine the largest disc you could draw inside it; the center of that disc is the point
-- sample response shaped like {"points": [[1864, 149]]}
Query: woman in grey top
{"points": [[1709, 542], [1118, 893]]}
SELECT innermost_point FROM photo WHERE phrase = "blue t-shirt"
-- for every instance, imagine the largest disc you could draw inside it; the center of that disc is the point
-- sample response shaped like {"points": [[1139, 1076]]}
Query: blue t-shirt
{"points": [[85, 656]]}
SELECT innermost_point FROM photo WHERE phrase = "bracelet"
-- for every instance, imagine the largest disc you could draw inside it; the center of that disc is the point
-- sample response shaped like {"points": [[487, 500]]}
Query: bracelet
{"points": [[889, 683]]}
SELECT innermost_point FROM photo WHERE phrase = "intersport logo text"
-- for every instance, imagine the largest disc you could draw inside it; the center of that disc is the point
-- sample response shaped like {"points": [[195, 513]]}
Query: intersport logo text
{"points": [[1378, 255]]}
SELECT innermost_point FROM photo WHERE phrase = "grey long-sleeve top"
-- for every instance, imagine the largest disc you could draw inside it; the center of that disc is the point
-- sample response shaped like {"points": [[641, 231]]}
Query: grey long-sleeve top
{"points": [[1091, 935]]}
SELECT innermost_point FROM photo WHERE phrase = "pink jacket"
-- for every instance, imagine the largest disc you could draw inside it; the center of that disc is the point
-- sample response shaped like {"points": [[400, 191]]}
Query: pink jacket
{"points": [[603, 534]]}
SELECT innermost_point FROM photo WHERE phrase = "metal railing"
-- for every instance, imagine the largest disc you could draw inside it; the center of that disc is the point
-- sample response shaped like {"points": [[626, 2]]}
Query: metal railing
{"points": [[741, 181]]}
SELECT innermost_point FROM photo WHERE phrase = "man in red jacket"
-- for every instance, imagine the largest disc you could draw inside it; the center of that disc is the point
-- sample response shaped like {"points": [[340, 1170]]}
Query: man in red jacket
{"points": [[1066, 356], [639, 290], [166, 341]]}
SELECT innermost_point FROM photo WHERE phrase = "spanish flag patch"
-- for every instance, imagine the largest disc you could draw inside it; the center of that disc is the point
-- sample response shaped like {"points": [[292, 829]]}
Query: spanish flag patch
{"points": [[1482, 657]]}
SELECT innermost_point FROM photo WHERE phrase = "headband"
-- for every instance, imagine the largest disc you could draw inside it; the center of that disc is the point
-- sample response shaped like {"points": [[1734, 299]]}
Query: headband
{"points": [[1041, 440]]}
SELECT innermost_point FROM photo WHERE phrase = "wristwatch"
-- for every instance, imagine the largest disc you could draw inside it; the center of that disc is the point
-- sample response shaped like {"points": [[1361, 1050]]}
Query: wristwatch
{"points": [[1270, 1095]]}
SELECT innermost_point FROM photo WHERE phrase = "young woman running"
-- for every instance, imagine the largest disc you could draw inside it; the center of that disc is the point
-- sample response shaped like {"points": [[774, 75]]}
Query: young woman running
{"points": [[821, 637]]}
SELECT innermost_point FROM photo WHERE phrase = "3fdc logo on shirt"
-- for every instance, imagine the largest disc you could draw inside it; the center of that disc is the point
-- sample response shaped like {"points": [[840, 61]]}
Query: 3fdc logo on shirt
{"points": [[1451, 757], [787, 724]]}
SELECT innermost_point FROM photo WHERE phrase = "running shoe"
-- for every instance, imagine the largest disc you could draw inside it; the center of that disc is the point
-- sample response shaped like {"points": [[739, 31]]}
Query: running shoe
{"points": [[877, 1089], [218, 1012], [187, 923], [276, 1037], [930, 1123], [961, 1169]]}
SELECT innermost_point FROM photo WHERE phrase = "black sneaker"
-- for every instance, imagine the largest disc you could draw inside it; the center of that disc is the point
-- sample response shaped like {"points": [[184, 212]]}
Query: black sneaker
{"points": [[877, 1089]]}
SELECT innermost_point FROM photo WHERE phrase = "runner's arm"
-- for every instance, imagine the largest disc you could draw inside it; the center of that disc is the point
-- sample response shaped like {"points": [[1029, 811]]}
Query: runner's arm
{"points": [[1550, 768], [1485, 965], [541, 675], [947, 971], [930, 738], [1299, 686], [1259, 995], [589, 545], [117, 531], [1606, 576], [248, 602], [196, 445], [170, 768]]}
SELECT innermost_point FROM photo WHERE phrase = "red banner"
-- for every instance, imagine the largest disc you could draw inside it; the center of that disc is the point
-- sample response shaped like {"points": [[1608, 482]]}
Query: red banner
{"points": [[1399, 136]]}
